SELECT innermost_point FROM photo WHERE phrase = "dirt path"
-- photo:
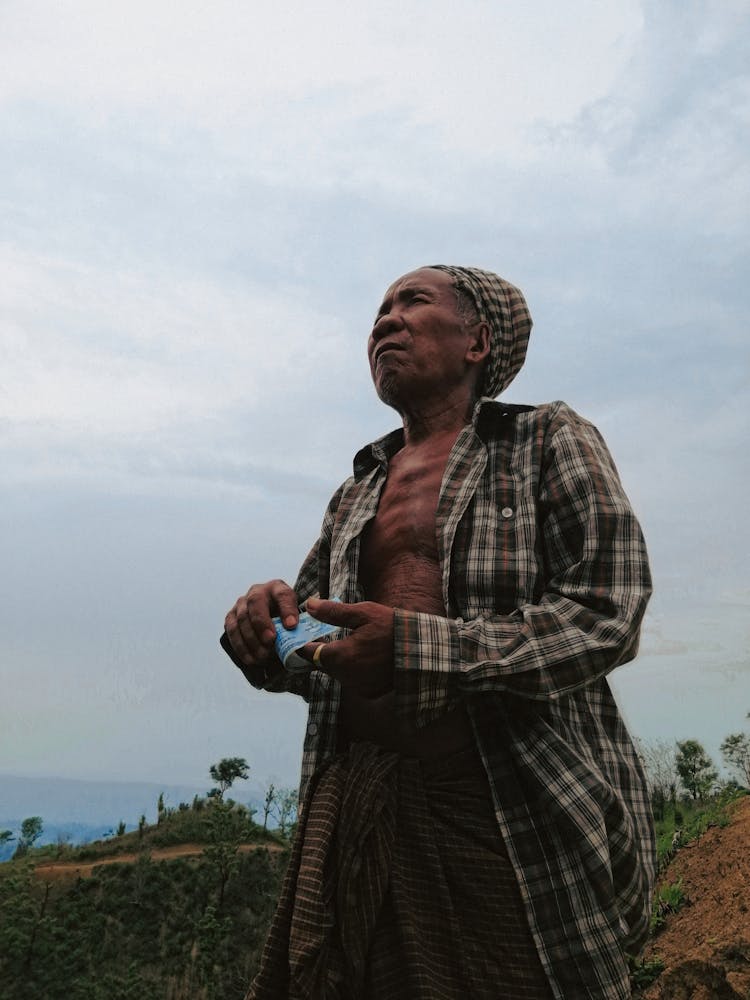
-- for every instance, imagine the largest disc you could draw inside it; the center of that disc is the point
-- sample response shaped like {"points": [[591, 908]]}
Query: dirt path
{"points": [[705, 947], [62, 869]]}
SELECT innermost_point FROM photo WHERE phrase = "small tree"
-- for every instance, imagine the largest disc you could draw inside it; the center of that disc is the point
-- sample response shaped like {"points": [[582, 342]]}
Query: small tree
{"points": [[212, 937], [736, 753], [268, 804], [695, 768], [63, 841], [658, 757], [6, 836], [142, 876], [286, 809], [31, 831], [227, 827], [226, 772]]}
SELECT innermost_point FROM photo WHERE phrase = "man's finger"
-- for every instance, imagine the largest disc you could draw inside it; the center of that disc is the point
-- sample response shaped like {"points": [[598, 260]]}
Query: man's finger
{"points": [[286, 603], [337, 613], [313, 652]]}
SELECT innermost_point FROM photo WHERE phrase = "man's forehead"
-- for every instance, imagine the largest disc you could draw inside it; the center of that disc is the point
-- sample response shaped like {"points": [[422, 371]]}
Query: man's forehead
{"points": [[423, 277]]}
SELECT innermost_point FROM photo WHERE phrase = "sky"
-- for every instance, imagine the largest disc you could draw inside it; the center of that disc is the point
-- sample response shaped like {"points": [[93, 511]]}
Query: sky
{"points": [[200, 209]]}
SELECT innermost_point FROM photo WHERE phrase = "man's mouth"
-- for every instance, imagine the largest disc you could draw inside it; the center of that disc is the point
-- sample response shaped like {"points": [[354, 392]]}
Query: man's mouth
{"points": [[383, 348]]}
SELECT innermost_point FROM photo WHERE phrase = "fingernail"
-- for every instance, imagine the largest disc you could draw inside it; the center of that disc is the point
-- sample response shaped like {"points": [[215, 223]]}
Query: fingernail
{"points": [[269, 635], [289, 621]]}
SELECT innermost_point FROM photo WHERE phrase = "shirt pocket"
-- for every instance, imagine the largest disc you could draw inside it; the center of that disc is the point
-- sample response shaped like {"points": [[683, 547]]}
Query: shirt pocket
{"points": [[496, 563]]}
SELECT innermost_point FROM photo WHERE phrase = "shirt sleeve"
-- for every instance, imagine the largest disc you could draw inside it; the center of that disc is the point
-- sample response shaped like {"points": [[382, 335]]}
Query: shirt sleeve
{"points": [[595, 588]]}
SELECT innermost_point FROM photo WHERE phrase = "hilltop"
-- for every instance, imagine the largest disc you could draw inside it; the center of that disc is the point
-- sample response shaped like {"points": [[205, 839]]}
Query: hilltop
{"points": [[177, 909], [704, 943]]}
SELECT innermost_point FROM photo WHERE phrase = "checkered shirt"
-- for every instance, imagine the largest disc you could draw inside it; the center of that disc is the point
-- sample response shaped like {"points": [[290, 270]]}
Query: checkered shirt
{"points": [[545, 581]]}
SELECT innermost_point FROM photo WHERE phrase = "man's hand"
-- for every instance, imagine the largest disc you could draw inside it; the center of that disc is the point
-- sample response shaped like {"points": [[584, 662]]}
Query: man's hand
{"points": [[249, 627], [363, 660]]}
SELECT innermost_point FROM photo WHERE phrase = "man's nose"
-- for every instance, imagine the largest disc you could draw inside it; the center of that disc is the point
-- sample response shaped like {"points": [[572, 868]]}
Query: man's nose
{"points": [[387, 323]]}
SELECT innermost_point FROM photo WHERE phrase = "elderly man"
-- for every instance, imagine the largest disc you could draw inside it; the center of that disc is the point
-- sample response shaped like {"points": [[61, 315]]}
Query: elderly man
{"points": [[475, 822]]}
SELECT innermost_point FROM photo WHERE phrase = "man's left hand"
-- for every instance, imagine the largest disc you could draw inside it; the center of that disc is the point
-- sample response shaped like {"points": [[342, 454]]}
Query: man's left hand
{"points": [[364, 659]]}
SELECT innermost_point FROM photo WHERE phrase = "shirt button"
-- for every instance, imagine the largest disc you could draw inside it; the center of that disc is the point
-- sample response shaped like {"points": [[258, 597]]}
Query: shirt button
{"points": [[507, 512], [312, 729]]}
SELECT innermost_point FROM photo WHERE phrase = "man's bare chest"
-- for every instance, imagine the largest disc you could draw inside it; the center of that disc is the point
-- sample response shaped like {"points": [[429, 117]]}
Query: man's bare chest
{"points": [[399, 562], [405, 519]]}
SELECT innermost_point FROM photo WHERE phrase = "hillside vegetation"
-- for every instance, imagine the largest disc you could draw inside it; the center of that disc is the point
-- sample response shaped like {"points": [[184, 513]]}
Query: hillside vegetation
{"points": [[174, 910], [178, 910], [128, 919]]}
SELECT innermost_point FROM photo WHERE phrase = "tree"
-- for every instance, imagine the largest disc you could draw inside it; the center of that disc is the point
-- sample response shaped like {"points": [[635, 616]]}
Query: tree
{"points": [[226, 772], [658, 757], [212, 937], [286, 809], [63, 841], [6, 836], [31, 831], [227, 828], [695, 768], [268, 804], [736, 753]]}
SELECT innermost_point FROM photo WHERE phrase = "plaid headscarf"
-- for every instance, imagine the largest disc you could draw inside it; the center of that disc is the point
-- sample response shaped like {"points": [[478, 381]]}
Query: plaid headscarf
{"points": [[503, 307]]}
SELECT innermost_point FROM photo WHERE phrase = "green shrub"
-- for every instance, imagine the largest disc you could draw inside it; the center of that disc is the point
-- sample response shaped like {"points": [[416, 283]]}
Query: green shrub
{"points": [[669, 899], [644, 972]]}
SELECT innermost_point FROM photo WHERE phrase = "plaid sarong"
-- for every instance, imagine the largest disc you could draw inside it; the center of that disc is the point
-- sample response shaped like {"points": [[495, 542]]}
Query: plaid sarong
{"points": [[399, 888]]}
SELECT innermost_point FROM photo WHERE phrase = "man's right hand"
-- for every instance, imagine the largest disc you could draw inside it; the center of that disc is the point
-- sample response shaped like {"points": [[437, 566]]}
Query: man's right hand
{"points": [[248, 625]]}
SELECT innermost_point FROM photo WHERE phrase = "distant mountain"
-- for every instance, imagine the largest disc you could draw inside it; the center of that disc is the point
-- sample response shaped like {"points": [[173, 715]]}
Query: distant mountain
{"points": [[86, 810]]}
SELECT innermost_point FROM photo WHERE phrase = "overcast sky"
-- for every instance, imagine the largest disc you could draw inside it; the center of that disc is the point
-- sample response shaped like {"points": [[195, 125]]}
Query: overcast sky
{"points": [[200, 208]]}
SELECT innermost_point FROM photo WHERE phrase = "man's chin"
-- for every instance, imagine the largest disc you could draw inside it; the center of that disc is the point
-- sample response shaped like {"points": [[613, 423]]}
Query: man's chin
{"points": [[388, 391]]}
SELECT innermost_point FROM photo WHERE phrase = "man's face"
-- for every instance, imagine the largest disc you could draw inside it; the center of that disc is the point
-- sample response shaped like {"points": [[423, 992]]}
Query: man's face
{"points": [[420, 346]]}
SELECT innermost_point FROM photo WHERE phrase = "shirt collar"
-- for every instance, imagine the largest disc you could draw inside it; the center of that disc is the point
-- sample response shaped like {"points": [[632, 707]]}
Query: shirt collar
{"points": [[380, 451]]}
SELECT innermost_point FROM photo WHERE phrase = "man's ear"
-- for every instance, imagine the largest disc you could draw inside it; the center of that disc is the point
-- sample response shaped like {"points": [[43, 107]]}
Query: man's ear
{"points": [[479, 345]]}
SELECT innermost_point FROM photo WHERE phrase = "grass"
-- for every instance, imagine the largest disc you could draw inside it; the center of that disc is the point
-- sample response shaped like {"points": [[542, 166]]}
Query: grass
{"points": [[645, 972], [686, 820], [670, 898]]}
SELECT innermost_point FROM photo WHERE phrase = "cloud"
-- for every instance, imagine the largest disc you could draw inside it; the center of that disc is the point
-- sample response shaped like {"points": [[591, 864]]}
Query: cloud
{"points": [[299, 79], [671, 133], [117, 357], [201, 208]]}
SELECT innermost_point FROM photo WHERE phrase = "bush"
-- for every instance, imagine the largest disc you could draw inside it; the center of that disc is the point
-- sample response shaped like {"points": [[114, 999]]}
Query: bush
{"points": [[669, 899], [643, 972]]}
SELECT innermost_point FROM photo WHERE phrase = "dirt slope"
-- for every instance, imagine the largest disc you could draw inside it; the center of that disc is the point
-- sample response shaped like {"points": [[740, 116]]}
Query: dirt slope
{"points": [[705, 947]]}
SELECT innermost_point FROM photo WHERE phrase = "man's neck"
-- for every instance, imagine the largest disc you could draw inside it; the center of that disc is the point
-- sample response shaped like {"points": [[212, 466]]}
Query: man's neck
{"points": [[435, 420]]}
